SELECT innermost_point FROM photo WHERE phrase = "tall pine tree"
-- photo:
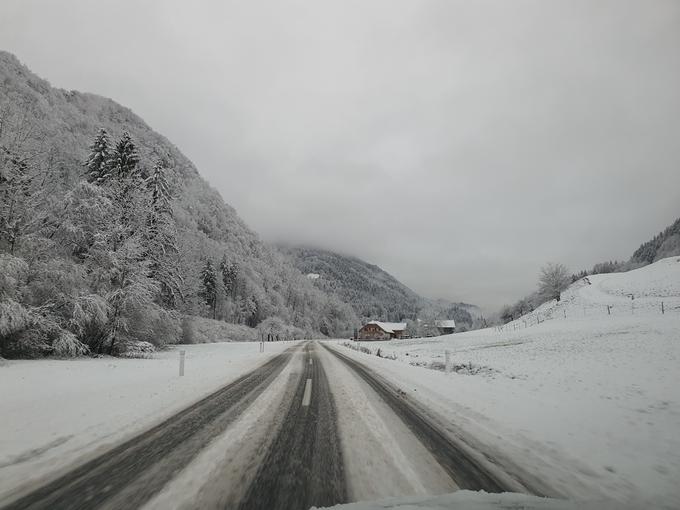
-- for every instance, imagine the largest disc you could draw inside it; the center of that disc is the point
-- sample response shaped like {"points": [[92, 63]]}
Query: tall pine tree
{"points": [[229, 273], [161, 236], [157, 185], [209, 291], [125, 158], [98, 162]]}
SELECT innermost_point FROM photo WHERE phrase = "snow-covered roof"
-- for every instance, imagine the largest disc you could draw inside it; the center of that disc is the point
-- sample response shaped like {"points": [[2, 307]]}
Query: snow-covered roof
{"points": [[449, 323], [390, 327], [313, 276]]}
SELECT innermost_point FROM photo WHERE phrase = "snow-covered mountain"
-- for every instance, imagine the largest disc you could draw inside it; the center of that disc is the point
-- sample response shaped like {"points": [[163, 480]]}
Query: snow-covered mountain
{"points": [[46, 134], [372, 292]]}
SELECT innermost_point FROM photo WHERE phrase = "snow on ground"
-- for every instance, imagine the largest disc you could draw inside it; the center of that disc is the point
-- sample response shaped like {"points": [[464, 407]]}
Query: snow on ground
{"points": [[469, 500], [55, 411], [591, 403]]}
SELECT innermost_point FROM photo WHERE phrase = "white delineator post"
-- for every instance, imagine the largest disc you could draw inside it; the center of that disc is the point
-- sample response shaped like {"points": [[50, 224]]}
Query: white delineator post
{"points": [[182, 355], [447, 367]]}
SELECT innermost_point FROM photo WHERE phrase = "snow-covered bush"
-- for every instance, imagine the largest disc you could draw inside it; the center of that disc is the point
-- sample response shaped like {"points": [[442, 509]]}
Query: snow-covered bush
{"points": [[67, 345], [134, 349], [188, 336], [154, 325]]}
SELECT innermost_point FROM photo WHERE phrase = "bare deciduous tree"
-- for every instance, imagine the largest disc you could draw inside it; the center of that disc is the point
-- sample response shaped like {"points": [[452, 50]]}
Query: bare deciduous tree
{"points": [[554, 278]]}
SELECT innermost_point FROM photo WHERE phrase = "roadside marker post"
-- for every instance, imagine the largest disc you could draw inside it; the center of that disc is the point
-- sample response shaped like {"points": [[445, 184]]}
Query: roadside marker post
{"points": [[447, 368], [182, 355]]}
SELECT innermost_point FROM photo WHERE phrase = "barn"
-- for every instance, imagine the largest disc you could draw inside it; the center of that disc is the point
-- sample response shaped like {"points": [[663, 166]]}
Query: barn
{"points": [[376, 330], [446, 327]]}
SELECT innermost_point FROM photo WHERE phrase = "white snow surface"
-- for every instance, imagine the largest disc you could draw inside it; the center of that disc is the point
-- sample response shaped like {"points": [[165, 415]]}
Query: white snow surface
{"points": [[589, 403], [390, 327], [56, 411], [469, 500]]}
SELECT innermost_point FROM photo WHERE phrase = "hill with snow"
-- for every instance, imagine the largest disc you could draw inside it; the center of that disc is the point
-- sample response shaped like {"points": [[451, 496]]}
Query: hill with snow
{"points": [[372, 292], [47, 133], [586, 396]]}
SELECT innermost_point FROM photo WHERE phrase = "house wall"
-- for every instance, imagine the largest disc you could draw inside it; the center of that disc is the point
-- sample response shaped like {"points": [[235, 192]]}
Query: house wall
{"points": [[372, 332]]}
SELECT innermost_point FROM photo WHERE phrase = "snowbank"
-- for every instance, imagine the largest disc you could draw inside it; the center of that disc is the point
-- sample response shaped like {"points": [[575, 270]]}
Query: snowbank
{"points": [[469, 500], [55, 411], [590, 402]]}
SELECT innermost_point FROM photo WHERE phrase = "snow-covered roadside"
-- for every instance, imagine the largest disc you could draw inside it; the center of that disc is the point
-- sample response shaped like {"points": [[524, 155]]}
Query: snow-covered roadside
{"points": [[590, 403], [469, 500], [56, 411]]}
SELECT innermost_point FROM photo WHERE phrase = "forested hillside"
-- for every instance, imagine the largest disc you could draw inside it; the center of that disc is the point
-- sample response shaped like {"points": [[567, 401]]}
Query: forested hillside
{"points": [[108, 235], [372, 292], [664, 244]]}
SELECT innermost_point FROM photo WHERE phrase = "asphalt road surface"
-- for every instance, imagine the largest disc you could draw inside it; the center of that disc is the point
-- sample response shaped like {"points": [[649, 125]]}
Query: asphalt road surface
{"points": [[296, 454]]}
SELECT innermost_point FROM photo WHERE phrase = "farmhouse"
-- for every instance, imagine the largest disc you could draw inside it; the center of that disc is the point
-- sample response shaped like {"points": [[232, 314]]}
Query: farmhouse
{"points": [[446, 327], [376, 330]]}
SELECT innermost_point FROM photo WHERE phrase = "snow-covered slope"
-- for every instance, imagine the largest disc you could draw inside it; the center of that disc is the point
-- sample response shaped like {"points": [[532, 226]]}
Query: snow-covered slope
{"points": [[590, 402], [638, 292]]}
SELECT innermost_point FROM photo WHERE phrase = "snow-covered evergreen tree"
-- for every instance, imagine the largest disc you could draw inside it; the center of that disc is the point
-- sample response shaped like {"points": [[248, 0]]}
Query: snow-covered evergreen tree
{"points": [[158, 186], [161, 235], [124, 158], [209, 290], [98, 163], [229, 272]]}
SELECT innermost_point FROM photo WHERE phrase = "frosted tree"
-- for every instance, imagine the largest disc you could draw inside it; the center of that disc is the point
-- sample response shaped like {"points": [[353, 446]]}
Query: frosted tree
{"points": [[229, 274], [157, 184], [98, 162], [124, 158], [209, 283], [161, 235], [554, 279], [129, 289], [15, 199]]}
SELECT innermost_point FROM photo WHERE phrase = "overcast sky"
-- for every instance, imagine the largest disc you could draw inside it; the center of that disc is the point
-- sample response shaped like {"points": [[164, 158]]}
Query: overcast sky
{"points": [[458, 145]]}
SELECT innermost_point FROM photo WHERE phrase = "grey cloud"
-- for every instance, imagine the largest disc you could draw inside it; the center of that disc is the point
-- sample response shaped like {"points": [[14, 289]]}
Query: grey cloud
{"points": [[459, 145]]}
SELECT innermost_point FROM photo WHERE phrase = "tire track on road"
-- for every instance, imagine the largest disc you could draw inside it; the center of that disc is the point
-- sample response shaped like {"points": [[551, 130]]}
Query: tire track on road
{"points": [[303, 467]]}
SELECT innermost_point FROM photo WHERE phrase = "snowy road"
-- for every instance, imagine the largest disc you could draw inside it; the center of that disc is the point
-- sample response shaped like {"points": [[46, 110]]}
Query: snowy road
{"points": [[311, 427]]}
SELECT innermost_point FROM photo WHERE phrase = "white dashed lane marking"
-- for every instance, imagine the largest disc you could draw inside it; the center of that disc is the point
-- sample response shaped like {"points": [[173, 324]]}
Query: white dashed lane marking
{"points": [[307, 397]]}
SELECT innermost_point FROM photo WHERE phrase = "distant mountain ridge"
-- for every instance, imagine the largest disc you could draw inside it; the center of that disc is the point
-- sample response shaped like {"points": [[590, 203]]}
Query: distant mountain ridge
{"points": [[372, 292]]}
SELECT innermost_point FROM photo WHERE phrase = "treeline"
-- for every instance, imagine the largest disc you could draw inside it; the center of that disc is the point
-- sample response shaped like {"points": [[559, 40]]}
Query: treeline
{"points": [[92, 270], [664, 244]]}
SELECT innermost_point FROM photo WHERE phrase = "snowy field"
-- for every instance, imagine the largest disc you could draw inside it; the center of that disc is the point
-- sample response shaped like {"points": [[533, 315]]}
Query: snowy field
{"points": [[469, 500], [590, 402], [56, 411]]}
